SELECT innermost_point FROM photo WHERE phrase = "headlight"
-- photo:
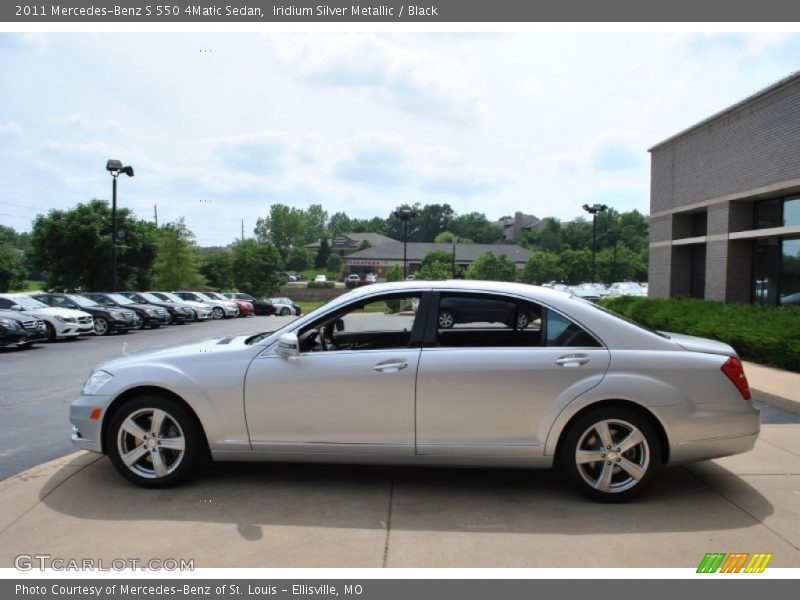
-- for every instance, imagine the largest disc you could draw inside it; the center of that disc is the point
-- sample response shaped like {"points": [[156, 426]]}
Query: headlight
{"points": [[116, 314], [10, 323], [65, 319], [96, 380]]}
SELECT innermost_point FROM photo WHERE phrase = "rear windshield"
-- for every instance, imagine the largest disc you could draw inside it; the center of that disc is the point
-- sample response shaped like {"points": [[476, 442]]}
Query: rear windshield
{"points": [[624, 318]]}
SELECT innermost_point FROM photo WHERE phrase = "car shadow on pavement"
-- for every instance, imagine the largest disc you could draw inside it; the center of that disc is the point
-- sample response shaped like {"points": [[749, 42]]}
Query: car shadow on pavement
{"points": [[252, 495]]}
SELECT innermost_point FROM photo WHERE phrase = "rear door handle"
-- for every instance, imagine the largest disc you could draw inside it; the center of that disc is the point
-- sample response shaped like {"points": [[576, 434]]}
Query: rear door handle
{"points": [[572, 360], [392, 365]]}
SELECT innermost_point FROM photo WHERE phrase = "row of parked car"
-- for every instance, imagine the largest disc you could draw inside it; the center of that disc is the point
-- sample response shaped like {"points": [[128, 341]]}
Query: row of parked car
{"points": [[26, 318], [597, 291]]}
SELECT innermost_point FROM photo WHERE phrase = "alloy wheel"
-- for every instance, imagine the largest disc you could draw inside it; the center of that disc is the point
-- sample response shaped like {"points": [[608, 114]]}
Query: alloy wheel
{"points": [[151, 443], [446, 320], [218, 313], [100, 326], [612, 456]]}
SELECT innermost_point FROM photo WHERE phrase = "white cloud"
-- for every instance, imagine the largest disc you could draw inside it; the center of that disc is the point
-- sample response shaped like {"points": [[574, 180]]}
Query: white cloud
{"points": [[10, 130]]}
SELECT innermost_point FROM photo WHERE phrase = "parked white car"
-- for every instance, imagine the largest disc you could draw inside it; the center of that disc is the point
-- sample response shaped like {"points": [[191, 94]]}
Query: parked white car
{"points": [[320, 278], [59, 323], [202, 311], [371, 278], [626, 288]]}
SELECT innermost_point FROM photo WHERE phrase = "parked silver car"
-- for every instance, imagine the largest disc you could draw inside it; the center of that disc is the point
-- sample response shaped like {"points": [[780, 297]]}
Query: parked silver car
{"points": [[373, 377]]}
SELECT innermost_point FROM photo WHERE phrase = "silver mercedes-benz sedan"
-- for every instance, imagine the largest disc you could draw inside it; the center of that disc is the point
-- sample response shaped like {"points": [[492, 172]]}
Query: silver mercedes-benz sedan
{"points": [[456, 373]]}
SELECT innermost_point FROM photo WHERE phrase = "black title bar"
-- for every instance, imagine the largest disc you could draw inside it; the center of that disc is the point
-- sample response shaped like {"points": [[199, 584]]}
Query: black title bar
{"points": [[140, 11]]}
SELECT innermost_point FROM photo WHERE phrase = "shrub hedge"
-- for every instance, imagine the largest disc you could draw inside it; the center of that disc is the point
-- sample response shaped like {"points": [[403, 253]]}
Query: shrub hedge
{"points": [[769, 336], [320, 284]]}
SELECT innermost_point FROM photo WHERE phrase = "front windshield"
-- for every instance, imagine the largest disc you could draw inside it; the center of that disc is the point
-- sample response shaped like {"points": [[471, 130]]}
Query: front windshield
{"points": [[29, 303], [151, 297], [120, 299], [81, 301], [205, 296], [216, 296]]}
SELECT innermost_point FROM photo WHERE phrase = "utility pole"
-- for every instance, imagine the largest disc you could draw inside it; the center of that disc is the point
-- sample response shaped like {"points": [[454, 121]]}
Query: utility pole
{"points": [[242, 229], [155, 214]]}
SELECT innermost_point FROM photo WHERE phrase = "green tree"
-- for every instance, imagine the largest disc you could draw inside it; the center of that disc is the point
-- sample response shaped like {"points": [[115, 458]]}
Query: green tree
{"points": [[177, 263], [395, 273], [334, 264], [493, 267], [446, 237], [542, 267], [339, 223], [284, 228], [323, 252], [437, 264], [255, 267], [475, 226], [299, 259], [577, 265], [12, 272], [73, 248], [217, 268], [316, 223]]}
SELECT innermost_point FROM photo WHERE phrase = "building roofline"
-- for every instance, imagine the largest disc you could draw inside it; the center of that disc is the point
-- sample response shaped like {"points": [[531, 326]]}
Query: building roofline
{"points": [[771, 89]]}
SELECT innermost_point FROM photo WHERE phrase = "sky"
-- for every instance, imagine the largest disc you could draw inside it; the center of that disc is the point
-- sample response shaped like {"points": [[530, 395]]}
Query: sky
{"points": [[220, 126]]}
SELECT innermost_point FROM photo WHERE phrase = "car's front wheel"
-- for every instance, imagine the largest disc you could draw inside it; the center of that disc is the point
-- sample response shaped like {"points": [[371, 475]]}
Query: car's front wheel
{"points": [[284, 311], [217, 313], [101, 326], [153, 442], [610, 454]]}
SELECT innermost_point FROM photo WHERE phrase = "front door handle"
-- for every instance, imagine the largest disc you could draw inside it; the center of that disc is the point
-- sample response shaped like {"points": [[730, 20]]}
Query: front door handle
{"points": [[392, 365], [572, 360]]}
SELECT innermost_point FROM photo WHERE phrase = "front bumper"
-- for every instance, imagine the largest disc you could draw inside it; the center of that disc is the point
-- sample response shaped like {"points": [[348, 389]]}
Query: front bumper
{"points": [[68, 330], [87, 432], [13, 337], [231, 312]]}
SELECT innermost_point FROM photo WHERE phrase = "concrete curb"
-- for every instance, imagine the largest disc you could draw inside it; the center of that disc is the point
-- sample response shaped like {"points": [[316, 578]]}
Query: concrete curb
{"points": [[786, 404]]}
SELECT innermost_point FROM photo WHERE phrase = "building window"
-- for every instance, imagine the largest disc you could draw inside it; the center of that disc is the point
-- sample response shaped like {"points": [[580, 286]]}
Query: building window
{"points": [[790, 272], [768, 214], [791, 212]]}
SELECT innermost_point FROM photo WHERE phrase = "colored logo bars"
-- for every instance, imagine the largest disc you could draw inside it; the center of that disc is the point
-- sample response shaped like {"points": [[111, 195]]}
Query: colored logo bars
{"points": [[719, 562]]}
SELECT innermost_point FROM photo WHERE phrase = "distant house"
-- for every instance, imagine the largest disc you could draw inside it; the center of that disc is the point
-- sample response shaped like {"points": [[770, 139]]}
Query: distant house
{"points": [[514, 226], [347, 243], [379, 259]]}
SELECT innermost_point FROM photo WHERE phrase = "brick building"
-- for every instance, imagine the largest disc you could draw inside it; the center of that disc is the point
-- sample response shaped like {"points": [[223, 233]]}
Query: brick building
{"points": [[725, 203]]}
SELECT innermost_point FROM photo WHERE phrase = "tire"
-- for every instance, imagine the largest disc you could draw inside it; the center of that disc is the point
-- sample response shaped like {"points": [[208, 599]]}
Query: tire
{"points": [[123, 331], [617, 475], [284, 311], [523, 320], [217, 313], [446, 319], [101, 326], [50, 331], [129, 435]]}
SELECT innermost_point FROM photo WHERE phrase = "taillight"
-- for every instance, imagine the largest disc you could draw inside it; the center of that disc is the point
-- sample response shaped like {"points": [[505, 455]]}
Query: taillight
{"points": [[735, 372]]}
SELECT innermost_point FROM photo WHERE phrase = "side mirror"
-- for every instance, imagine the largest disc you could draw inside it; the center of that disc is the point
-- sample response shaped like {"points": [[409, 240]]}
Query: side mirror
{"points": [[17, 307], [339, 325], [288, 345]]}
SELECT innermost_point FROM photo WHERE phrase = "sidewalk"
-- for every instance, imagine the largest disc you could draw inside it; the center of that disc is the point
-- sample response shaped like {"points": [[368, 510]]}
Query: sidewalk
{"points": [[774, 386]]}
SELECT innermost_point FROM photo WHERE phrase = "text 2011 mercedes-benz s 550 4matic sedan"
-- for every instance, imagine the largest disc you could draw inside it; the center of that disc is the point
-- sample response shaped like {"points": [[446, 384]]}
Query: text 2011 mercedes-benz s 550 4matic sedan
{"points": [[377, 376]]}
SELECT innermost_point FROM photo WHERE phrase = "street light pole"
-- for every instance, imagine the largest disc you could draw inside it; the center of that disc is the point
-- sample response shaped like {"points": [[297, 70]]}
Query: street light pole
{"points": [[115, 168], [114, 232], [593, 210], [405, 215]]}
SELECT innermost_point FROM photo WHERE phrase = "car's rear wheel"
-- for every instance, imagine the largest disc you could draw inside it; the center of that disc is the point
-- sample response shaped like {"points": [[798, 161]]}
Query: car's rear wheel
{"points": [[446, 319], [217, 313], [153, 442], [523, 320], [284, 311], [610, 454], [101, 326]]}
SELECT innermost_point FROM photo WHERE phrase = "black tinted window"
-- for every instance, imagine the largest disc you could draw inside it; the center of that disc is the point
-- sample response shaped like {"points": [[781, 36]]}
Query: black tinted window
{"points": [[467, 320], [563, 332]]}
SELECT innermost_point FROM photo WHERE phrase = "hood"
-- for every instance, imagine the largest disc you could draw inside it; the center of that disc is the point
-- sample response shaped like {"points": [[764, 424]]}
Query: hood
{"points": [[698, 344], [167, 353], [56, 312]]}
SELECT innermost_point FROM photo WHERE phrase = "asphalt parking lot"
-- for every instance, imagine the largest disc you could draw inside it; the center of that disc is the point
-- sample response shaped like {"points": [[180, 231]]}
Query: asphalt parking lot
{"points": [[39, 383]]}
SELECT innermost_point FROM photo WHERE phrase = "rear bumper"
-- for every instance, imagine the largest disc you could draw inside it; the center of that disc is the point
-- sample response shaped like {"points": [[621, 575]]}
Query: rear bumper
{"points": [[711, 430]]}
